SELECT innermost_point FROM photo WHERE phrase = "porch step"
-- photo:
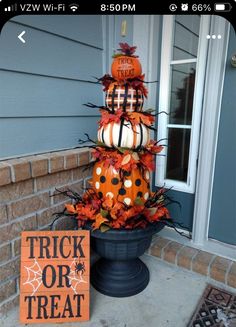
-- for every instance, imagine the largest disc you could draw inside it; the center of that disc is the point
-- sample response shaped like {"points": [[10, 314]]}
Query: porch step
{"points": [[215, 267]]}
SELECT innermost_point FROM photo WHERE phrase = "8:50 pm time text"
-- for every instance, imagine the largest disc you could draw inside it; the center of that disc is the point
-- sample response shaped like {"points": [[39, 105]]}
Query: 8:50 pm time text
{"points": [[124, 7]]}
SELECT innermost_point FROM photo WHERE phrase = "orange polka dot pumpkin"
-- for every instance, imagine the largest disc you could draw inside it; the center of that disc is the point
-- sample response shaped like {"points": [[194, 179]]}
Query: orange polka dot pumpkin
{"points": [[125, 67], [124, 97], [107, 182]]}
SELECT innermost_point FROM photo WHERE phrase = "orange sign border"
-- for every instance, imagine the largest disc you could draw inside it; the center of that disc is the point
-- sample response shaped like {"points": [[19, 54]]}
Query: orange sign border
{"points": [[55, 276]]}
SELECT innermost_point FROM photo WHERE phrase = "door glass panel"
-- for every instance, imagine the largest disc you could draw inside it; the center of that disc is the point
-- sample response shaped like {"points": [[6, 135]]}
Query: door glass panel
{"points": [[178, 154], [186, 34], [182, 92]]}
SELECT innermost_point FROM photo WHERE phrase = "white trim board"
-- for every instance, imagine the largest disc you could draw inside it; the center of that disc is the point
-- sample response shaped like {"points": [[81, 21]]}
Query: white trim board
{"points": [[146, 35], [214, 82], [164, 102]]}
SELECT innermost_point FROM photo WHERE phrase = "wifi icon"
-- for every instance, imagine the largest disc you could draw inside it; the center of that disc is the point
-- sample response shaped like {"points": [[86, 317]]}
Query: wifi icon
{"points": [[74, 7]]}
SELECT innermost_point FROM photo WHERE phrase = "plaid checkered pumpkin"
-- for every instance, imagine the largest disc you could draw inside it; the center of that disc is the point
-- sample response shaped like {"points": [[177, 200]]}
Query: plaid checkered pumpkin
{"points": [[124, 135], [124, 97]]}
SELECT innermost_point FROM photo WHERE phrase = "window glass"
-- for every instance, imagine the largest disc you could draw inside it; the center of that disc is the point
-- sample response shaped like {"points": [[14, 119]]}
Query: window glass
{"points": [[186, 34], [178, 154], [182, 92]]}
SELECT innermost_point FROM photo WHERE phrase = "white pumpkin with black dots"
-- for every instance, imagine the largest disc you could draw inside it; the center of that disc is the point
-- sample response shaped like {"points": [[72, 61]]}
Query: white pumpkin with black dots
{"points": [[124, 134]]}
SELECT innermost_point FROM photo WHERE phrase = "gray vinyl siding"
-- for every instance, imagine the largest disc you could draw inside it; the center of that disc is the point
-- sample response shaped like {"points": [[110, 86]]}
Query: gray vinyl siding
{"points": [[45, 82], [223, 209]]}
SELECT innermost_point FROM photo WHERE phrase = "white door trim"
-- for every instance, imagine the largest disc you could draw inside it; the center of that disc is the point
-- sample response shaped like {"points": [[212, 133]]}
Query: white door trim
{"points": [[214, 82], [164, 102], [146, 36]]}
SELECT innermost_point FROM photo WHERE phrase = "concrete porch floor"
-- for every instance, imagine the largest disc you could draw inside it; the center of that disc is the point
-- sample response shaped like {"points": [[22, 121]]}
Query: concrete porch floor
{"points": [[169, 300]]}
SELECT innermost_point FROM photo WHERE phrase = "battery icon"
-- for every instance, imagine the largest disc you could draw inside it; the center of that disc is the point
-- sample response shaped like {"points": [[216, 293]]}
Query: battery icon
{"points": [[223, 6]]}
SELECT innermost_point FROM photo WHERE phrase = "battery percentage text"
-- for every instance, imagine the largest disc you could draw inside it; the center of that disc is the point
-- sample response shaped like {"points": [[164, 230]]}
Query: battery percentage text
{"points": [[201, 7]]}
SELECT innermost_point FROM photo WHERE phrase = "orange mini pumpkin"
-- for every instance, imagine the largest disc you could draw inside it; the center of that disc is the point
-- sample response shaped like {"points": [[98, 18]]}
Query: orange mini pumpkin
{"points": [[107, 182], [125, 67], [124, 97]]}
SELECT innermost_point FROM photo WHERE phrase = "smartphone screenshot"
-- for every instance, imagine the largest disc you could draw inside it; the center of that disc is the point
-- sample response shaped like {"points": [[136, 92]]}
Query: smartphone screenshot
{"points": [[122, 100]]}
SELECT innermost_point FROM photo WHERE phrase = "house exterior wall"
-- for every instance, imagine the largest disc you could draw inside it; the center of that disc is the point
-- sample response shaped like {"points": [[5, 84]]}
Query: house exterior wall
{"points": [[43, 86], [223, 209], [44, 82]]}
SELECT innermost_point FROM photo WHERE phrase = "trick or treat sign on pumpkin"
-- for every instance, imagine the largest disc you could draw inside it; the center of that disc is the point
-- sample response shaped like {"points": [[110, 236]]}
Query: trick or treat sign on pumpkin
{"points": [[54, 276]]}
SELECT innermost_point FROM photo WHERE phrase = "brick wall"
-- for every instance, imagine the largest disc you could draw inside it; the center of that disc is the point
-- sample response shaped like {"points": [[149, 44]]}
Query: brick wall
{"points": [[26, 185]]}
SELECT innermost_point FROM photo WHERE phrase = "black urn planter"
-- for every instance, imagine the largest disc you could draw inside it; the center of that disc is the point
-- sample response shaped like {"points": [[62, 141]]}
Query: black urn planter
{"points": [[119, 272]]}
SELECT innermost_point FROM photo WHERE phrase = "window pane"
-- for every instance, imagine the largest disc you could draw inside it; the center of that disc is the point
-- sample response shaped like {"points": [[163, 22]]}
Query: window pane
{"points": [[182, 91], [177, 154], [186, 37]]}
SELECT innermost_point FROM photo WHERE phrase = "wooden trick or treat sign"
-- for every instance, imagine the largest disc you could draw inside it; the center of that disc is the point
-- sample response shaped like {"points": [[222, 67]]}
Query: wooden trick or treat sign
{"points": [[55, 268]]}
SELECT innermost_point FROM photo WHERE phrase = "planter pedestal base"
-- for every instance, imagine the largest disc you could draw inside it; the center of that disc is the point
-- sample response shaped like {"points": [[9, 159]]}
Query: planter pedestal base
{"points": [[119, 278], [120, 272]]}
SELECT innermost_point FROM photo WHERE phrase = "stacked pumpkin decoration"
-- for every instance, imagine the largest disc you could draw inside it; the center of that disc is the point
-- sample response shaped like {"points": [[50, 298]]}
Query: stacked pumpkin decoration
{"points": [[120, 195], [122, 96]]}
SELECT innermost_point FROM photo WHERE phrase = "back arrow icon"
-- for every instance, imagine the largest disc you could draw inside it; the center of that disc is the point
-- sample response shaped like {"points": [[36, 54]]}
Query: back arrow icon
{"points": [[20, 37]]}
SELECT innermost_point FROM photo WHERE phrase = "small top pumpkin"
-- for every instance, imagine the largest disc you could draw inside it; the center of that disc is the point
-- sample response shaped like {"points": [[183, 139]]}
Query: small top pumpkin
{"points": [[125, 64]]}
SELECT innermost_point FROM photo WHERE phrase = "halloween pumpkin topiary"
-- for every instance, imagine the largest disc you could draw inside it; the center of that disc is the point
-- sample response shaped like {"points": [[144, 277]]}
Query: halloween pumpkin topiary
{"points": [[119, 207], [120, 195]]}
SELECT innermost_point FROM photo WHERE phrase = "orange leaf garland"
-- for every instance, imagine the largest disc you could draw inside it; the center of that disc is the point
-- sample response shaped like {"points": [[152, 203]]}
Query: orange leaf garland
{"points": [[106, 213], [133, 117], [108, 117], [128, 159]]}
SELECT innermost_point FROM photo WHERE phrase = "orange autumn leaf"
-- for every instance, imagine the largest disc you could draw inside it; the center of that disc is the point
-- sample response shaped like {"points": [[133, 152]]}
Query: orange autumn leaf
{"points": [[139, 117], [153, 147], [133, 211], [87, 212], [71, 208], [98, 221], [155, 214], [117, 224], [147, 159], [108, 117], [126, 159], [107, 203], [116, 210]]}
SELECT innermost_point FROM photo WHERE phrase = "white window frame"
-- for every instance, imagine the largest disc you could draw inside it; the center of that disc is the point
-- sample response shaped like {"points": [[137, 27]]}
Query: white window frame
{"points": [[164, 103]]}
